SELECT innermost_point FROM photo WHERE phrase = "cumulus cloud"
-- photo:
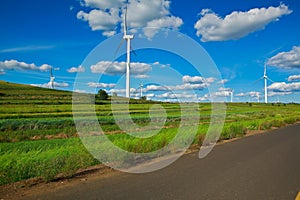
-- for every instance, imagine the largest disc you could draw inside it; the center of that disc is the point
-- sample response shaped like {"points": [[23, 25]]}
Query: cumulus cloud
{"points": [[188, 83], [285, 87], [247, 94], [141, 76], [55, 84], [119, 68], [223, 92], [101, 85], [186, 86], [107, 15], [236, 25], [170, 95], [16, 65], [101, 20], [272, 94], [223, 81], [154, 26], [294, 78], [289, 59], [197, 79], [104, 4], [76, 69], [123, 91]]}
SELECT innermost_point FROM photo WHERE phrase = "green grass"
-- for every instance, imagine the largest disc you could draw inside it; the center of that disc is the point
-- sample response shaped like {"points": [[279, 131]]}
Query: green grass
{"points": [[32, 119], [44, 158]]}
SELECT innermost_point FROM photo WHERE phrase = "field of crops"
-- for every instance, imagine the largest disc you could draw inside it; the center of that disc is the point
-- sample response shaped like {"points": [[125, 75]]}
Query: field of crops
{"points": [[38, 136]]}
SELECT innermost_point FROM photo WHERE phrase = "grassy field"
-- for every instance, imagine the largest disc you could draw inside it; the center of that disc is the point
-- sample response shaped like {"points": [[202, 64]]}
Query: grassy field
{"points": [[38, 137]]}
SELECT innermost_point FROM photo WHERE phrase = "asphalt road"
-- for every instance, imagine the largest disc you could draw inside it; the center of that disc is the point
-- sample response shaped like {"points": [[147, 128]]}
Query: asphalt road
{"points": [[264, 166]]}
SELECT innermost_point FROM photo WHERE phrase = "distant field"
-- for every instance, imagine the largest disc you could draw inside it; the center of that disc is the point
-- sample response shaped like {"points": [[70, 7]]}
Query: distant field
{"points": [[39, 138]]}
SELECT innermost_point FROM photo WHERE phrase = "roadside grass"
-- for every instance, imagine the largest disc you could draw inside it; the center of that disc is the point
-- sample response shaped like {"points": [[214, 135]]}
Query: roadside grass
{"points": [[44, 158]]}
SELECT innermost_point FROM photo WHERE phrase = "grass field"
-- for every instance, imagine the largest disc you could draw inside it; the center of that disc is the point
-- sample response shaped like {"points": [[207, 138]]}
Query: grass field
{"points": [[38, 137]]}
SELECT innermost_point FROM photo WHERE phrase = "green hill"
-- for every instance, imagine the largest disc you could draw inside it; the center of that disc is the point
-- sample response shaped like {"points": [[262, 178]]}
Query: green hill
{"points": [[11, 93]]}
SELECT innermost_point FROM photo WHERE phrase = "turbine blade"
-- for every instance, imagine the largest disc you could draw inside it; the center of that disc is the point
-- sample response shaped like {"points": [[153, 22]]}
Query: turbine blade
{"points": [[132, 50], [51, 72], [117, 50], [270, 80], [265, 69], [258, 80], [125, 18]]}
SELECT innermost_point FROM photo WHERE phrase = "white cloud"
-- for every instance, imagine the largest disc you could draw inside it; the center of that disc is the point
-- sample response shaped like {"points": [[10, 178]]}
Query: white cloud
{"points": [[55, 84], [154, 26], [170, 95], [2, 72], [122, 91], [119, 68], [104, 4], [289, 59], [272, 94], [81, 91], [141, 76], [223, 81], [16, 65], [156, 88], [151, 95], [107, 15], [101, 85], [101, 20], [247, 94], [285, 87], [161, 65], [294, 78], [186, 86], [197, 79], [236, 25], [206, 97], [223, 92], [76, 69]]}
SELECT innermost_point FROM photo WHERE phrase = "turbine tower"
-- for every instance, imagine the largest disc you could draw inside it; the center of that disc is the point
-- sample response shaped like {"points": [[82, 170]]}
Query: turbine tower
{"points": [[128, 39], [231, 95], [266, 78], [52, 78], [141, 90]]}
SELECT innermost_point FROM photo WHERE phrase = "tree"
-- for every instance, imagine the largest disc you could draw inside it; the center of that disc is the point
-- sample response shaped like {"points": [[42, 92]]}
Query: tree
{"points": [[143, 98], [102, 94]]}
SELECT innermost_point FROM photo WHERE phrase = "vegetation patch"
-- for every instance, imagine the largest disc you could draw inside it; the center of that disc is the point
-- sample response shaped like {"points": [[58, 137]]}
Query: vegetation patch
{"points": [[38, 137]]}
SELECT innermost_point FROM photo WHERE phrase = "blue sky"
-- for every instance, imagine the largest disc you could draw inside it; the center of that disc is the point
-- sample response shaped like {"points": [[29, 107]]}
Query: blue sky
{"points": [[238, 36]]}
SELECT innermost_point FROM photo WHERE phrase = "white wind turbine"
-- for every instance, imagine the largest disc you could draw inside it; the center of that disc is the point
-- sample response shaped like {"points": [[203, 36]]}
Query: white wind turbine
{"points": [[52, 78], [231, 95], [141, 90], [266, 78], [128, 39]]}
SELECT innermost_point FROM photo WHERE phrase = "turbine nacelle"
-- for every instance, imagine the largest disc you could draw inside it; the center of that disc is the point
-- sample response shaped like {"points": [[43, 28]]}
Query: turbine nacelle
{"points": [[128, 37]]}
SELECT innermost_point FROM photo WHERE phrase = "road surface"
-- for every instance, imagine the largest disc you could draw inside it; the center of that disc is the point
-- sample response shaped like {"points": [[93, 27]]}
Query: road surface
{"points": [[264, 166]]}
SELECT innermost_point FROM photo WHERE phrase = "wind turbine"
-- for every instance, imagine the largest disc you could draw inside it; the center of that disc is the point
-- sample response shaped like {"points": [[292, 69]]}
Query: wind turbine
{"points": [[258, 97], [141, 90], [52, 78], [231, 95], [266, 78], [128, 39]]}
